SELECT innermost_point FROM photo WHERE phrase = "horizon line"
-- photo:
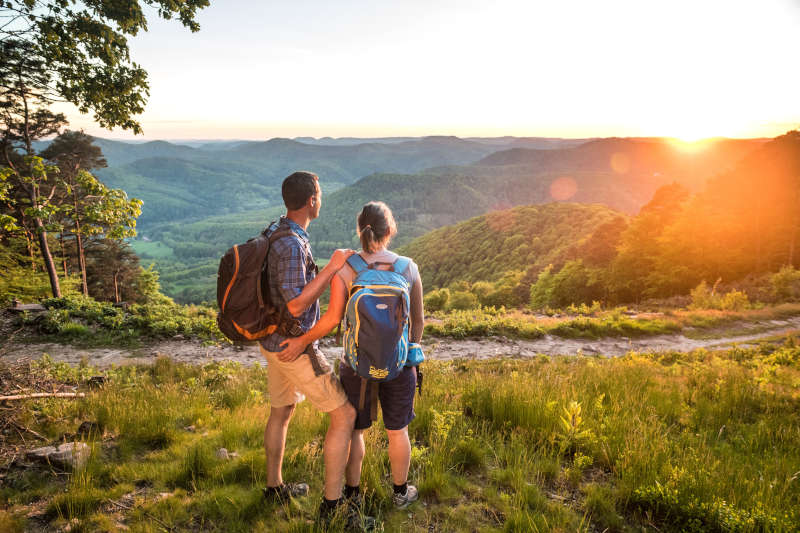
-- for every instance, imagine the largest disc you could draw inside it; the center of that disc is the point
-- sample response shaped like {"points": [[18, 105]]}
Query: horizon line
{"points": [[299, 138]]}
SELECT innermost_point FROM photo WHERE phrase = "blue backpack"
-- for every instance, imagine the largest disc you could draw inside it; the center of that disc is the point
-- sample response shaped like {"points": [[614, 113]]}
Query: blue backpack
{"points": [[377, 320]]}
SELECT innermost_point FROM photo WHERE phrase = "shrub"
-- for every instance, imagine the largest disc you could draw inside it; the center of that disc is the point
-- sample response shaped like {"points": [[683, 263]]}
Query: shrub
{"points": [[437, 300], [76, 316], [482, 290], [734, 301], [462, 301], [705, 298], [785, 283]]}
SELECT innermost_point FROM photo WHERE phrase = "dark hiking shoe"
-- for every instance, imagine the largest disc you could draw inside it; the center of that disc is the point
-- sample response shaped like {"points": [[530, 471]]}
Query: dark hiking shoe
{"points": [[356, 500], [347, 514], [285, 492], [401, 501]]}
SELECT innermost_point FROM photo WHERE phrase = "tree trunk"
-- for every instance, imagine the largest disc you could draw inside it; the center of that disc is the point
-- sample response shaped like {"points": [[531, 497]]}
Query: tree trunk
{"points": [[48, 259], [82, 264], [81, 256], [81, 261], [116, 288], [29, 246], [63, 255]]}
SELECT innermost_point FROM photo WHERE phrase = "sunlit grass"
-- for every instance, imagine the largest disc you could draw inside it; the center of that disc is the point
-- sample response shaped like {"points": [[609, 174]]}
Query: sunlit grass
{"points": [[618, 322], [676, 441]]}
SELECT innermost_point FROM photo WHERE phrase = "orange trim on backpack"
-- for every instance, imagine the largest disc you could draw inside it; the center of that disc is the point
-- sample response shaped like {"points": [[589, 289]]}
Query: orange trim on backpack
{"points": [[233, 279], [269, 330]]}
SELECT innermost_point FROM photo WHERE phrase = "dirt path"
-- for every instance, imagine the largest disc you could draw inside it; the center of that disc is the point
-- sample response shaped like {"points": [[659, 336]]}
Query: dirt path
{"points": [[611, 346], [436, 348]]}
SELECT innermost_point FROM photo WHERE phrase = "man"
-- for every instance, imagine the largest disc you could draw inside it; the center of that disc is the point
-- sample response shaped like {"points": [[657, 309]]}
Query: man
{"points": [[293, 279]]}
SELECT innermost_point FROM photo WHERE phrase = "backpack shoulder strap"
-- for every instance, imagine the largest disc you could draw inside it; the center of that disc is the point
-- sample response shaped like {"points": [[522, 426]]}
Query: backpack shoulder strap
{"points": [[357, 263], [281, 233], [401, 264], [268, 229]]}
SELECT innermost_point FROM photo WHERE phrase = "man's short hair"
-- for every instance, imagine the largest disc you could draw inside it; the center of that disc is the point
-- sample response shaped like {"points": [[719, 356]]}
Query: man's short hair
{"points": [[298, 188]]}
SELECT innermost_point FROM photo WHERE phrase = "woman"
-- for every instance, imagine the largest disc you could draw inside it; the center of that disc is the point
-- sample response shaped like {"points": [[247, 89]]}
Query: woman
{"points": [[376, 227]]}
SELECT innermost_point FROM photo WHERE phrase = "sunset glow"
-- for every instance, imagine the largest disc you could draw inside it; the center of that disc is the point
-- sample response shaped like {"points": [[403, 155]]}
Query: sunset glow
{"points": [[564, 69]]}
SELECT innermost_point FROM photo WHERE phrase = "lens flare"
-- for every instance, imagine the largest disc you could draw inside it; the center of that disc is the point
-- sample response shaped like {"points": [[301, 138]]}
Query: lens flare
{"points": [[620, 163], [563, 189]]}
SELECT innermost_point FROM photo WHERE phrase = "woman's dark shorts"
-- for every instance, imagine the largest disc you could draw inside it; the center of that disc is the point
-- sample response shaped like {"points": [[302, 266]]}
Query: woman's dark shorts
{"points": [[396, 397]]}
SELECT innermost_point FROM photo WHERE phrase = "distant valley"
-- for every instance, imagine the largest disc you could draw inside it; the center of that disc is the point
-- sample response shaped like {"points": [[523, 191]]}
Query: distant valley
{"points": [[201, 199]]}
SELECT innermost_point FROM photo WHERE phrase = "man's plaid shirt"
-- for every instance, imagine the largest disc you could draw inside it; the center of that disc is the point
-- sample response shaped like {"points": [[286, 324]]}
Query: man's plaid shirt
{"points": [[290, 269]]}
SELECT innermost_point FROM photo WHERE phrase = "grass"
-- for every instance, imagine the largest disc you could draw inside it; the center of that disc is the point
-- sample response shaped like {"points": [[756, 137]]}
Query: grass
{"points": [[610, 323], [151, 249], [700, 441], [83, 321]]}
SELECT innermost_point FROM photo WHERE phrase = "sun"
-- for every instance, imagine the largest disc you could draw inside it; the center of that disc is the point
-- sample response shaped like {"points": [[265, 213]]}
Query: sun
{"points": [[691, 144], [693, 138]]}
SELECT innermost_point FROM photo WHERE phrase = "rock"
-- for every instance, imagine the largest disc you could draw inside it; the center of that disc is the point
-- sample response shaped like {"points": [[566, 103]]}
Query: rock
{"points": [[20, 307], [40, 454], [70, 455], [190, 429], [233, 455], [222, 453]]}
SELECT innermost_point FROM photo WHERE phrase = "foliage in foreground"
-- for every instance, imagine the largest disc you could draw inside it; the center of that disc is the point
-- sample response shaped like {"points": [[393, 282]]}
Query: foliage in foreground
{"points": [[694, 442], [82, 320]]}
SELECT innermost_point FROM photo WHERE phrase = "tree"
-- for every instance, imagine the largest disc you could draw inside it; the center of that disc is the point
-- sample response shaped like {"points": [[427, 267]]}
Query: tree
{"points": [[84, 49], [35, 182], [113, 270], [63, 50], [25, 118], [75, 155], [640, 247]]}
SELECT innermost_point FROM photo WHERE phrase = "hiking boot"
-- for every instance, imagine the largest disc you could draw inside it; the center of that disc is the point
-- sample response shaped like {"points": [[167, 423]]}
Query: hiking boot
{"points": [[285, 491], [401, 501], [356, 500], [345, 513]]}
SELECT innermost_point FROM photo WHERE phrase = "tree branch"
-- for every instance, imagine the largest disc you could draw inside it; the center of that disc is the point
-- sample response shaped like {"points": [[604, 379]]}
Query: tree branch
{"points": [[42, 395]]}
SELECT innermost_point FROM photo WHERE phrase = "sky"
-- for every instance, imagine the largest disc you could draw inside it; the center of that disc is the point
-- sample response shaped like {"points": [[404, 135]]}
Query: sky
{"points": [[567, 68]]}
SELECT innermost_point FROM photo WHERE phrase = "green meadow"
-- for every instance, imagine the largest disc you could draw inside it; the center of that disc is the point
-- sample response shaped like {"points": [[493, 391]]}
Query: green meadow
{"points": [[700, 441]]}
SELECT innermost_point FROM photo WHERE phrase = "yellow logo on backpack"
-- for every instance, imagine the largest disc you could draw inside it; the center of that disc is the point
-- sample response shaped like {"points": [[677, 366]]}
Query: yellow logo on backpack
{"points": [[378, 373]]}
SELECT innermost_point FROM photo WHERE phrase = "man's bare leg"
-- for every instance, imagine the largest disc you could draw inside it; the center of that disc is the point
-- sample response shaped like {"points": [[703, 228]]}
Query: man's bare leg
{"points": [[352, 474], [337, 448], [275, 442]]}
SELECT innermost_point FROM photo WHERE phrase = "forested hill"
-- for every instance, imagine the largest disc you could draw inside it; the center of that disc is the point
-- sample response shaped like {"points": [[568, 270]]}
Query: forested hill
{"points": [[513, 242], [687, 163], [238, 185], [620, 173], [743, 224], [179, 182]]}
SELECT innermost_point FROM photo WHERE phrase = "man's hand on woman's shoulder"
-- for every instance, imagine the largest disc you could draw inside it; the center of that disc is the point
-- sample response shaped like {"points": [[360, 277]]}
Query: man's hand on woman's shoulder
{"points": [[339, 258]]}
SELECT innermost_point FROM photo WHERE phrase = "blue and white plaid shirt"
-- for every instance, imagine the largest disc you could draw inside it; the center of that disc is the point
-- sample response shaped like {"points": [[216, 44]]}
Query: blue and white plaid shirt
{"points": [[290, 269]]}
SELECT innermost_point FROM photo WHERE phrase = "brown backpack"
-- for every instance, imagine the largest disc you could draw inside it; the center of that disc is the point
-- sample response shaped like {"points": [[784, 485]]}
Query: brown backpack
{"points": [[246, 312]]}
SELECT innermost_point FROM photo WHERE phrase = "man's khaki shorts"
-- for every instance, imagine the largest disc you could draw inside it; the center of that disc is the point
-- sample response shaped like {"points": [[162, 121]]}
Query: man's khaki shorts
{"points": [[292, 382]]}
